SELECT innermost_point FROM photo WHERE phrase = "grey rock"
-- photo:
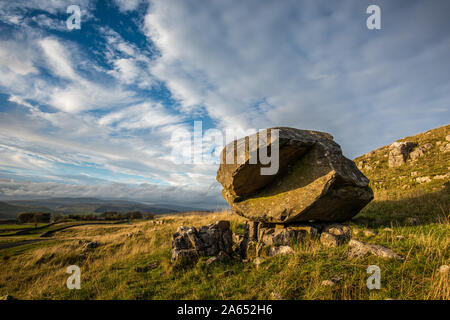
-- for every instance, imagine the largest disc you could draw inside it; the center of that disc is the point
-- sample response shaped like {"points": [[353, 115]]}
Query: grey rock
{"points": [[369, 233], [274, 251], [189, 243], [420, 151], [329, 240], [211, 261], [335, 235], [359, 248], [314, 181], [328, 283], [399, 152], [275, 295], [444, 269], [423, 179], [445, 148]]}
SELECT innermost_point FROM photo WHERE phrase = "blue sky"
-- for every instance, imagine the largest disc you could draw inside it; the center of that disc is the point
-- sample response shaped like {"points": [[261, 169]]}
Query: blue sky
{"points": [[91, 112]]}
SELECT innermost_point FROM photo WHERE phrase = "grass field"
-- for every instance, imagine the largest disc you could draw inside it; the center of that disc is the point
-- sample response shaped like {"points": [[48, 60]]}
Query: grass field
{"points": [[37, 271]]}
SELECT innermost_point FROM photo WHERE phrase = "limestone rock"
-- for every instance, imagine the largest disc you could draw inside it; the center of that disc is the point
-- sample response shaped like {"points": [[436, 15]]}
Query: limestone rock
{"points": [[420, 151], [328, 283], [314, 181], [279, 235], [274, 251], [423, 179], [399, 152], [444, 269], [359, 248], [445, 148], [189, 243], [369, 233], [274, 295], [442, 176], [335, 235]]}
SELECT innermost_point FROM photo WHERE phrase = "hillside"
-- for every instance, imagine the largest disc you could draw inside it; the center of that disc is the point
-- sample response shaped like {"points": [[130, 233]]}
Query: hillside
{"points": [[410, 215], [433, 164]]}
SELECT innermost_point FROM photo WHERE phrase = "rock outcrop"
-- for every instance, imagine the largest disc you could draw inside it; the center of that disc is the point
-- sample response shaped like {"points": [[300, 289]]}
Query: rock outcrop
{"points": [[420, 151], [314, 181], [399, 153], [335, 235], [188, 244]]}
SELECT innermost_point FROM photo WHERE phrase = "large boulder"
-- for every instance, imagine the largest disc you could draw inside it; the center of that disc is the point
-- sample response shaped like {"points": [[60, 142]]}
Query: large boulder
{"points": [[314, 181]]}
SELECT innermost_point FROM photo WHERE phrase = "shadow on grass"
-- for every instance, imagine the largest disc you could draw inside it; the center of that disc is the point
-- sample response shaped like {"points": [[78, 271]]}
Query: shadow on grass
{"points": [[424, 209]]}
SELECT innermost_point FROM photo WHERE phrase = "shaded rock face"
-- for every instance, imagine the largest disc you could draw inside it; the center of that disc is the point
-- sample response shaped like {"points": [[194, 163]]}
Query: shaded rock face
{"points": [[189, 243], [399, 152], [314, 181], [335, 235], [420, 151]]}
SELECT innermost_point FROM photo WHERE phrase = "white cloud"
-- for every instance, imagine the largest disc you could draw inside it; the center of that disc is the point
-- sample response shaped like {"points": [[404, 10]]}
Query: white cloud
{"points": [[15, 59], [58, 59], [313, 64], [145, 115], [127, 5]]}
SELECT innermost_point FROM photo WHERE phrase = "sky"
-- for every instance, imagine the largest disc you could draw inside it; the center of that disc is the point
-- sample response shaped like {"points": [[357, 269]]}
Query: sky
{"points": [[91, 112]]}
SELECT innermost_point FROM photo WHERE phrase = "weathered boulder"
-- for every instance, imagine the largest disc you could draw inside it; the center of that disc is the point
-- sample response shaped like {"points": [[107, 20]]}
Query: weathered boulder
{"points": [[279, 235], [314, 181], [189, 243], [335, 235], [420, 151], [399, 152], [359, 248]]}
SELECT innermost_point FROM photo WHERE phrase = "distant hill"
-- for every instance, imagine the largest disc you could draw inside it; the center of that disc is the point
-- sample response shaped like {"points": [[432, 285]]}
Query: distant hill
{"points": [[10, 211], [65, 206], [81, 206]]}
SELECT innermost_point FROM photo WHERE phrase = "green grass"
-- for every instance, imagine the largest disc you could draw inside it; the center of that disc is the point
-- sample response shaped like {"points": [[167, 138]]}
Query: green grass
{"points": [[37, 271]]}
